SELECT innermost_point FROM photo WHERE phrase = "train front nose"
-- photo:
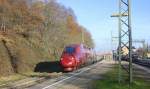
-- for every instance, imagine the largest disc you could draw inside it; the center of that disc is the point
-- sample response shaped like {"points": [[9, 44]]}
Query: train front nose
{"points": [[68, 62]]}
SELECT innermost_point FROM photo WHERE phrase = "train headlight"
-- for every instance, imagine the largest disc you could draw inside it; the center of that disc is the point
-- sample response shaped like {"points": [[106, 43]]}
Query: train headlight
{"points": [[72, 58], [70, 63]]}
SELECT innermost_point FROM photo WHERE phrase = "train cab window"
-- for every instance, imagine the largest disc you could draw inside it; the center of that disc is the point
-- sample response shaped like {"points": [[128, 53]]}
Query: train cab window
{"points": [[70, 50]]}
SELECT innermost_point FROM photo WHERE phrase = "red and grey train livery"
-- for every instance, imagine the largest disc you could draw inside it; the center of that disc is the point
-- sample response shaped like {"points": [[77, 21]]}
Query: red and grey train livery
{"points": [[76, 55]]}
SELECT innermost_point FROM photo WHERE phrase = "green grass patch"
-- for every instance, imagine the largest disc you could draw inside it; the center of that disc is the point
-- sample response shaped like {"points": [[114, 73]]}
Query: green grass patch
{"points": [[110, 81]]}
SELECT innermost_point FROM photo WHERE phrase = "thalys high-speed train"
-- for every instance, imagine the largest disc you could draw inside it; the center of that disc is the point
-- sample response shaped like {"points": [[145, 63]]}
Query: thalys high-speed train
{"points": [[76, 55]]}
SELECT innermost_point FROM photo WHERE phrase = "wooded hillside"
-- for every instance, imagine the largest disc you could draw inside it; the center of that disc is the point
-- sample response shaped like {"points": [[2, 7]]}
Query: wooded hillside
{"points": [[32, 32]]}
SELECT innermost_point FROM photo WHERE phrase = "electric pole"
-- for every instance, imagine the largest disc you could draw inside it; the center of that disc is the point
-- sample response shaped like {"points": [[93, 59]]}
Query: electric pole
{"points": [[125, 33], [82, 34], [144, 46], [113, 40]]}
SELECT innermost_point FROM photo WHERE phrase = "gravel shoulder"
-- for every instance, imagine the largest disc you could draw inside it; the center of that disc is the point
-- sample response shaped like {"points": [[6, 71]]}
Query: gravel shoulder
{"points": [[80, 79]]}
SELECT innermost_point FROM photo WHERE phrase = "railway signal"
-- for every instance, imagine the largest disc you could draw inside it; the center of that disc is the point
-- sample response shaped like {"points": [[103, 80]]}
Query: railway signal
{"points": [[125, 33]]}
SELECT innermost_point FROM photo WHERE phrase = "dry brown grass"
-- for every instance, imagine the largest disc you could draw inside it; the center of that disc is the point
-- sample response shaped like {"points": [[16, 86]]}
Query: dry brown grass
{"points": [[5, 64], [17, 55]]}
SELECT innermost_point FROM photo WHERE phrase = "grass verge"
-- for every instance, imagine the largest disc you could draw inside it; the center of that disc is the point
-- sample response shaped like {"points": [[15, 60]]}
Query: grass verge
{"points": [[12, 78], [110, 81], [17, 77]]}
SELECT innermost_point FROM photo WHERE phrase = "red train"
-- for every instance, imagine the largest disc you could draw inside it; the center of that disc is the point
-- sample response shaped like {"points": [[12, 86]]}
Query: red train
{"points": [[74, 56]]}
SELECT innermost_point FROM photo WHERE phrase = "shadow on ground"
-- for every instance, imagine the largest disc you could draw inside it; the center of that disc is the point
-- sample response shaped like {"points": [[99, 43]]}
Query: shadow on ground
{"points": [[48, 67]]}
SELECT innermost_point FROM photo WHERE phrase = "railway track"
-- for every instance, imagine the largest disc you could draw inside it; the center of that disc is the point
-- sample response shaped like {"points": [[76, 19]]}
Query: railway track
{"points": [[145, 63]]}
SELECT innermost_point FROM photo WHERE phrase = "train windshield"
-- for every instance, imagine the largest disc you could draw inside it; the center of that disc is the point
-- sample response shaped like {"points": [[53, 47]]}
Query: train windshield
{"points": [[70, 50]]}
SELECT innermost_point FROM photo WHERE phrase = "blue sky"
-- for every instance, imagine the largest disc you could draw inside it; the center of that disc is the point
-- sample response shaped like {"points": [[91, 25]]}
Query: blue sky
{"points": [[95, 16]]}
